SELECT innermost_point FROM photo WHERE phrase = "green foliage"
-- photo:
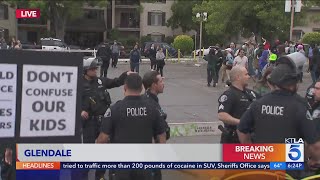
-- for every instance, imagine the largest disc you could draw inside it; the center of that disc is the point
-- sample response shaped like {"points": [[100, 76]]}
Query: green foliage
{"points": [[182, 15], [59, 11], [169, 39], [311, 38], [131, 41], [144, 39], [264, 18], [184, 43], [114, 34]]}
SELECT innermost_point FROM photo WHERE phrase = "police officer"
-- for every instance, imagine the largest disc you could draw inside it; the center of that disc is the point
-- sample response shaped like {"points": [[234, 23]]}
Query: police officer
{"points": [[234, 102], [280, 114], [310, 97], [154, 85], [104, 52], [280, 108], [316, 105], [95, 100], [132, 120]]}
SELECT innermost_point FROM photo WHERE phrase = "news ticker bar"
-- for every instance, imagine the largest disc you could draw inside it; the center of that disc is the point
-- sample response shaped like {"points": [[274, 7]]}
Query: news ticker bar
{"points": [[160, 165]]}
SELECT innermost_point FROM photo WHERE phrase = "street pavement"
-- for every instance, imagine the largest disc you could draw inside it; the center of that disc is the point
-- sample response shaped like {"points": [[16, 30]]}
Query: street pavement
{"points": [[187, 99]]}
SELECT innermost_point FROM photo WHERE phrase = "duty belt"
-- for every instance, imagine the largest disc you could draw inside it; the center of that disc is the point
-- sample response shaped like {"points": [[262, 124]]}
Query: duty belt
{"points": [[227, 130], [99, 118]]}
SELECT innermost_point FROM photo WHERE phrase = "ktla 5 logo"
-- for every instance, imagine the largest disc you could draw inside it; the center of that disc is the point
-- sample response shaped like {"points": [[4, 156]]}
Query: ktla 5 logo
{"points": [[294, 152]]}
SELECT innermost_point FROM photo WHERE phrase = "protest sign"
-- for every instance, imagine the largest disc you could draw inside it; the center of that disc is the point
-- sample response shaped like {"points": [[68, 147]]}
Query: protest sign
{"points": [[40, 96], [8, 90]]}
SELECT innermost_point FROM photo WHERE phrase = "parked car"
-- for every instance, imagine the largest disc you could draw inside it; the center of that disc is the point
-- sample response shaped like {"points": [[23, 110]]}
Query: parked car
{"points": [[172, 52], [203, 52], [53, 44]]}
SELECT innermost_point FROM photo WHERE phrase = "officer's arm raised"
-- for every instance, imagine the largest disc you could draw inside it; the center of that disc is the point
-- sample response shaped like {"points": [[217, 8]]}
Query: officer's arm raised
{"points": [[116, 82]]}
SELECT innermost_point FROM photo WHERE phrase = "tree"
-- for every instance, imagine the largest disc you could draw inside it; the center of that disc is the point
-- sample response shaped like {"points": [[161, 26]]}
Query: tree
{"points": [[227, 18], [182, 15], [311, 38], [184, 43], [60, 11]]}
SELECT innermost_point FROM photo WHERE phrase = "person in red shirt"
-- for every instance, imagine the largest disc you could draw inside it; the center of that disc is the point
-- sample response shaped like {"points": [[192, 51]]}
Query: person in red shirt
{"points": [[266, 44]]}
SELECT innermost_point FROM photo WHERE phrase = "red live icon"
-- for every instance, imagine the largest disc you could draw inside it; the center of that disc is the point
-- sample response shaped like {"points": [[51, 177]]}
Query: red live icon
{"points": [[28, 13]]}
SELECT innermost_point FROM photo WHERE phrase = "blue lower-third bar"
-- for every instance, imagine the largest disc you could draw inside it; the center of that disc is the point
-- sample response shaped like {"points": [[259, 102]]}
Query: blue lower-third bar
{"points": [[295, 166], [277, 166]]}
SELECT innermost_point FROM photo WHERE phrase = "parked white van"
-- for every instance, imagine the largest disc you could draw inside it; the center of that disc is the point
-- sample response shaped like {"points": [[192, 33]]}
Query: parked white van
{"points": [[53, 44]]}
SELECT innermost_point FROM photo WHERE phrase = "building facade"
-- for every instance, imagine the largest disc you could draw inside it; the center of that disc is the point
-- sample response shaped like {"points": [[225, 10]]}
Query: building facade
{"points": [[131, 18], [153, 20], [311, 24], [8, 22]]}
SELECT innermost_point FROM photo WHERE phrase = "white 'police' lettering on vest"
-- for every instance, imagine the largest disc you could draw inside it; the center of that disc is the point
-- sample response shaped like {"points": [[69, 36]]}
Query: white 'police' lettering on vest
{"points": [[272, 110], [139, 111]]}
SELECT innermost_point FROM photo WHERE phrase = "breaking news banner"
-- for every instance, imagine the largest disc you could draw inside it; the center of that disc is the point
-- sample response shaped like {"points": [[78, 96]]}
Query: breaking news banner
{"points": [[52, 161], [159, 156]]}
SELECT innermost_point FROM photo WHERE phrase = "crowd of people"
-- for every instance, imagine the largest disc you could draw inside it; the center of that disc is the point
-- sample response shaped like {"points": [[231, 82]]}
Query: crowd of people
{"points": [[272, 111], [256, 58], [105, 52], [14, 44]]}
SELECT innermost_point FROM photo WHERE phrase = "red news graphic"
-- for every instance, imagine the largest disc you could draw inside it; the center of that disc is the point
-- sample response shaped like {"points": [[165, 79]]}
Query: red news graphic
{"points": [[28, 13], [254, 153]]}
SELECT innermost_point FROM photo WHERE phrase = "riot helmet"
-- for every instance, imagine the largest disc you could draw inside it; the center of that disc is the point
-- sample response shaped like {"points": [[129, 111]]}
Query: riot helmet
{"points": [[284, 73], [90, 63]]}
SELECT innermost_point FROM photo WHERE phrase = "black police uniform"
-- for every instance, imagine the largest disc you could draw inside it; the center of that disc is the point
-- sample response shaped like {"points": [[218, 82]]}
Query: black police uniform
{"points": [[96, 100], [133, 120], [153, 97], [234, 102], [104, 52], [152, 56], [278, 115]]}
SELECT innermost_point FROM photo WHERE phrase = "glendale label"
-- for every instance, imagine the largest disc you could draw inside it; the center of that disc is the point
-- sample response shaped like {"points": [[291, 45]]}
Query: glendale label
{"points": [[28, 13]]}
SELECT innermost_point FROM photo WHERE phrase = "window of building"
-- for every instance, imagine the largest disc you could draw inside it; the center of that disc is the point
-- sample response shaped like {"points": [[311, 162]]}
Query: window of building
{"points": [[3, 11], [157, 37], [156, 18], [93, 14], [129, 20], [4, 33], [316, 29]]}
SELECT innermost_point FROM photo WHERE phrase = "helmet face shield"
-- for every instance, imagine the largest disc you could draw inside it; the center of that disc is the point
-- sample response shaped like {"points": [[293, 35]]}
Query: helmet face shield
{"points": [[285, 72], [91, 63]]}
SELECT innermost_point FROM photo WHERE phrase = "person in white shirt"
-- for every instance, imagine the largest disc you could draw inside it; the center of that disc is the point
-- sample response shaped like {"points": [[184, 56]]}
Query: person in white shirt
{"points": [[241, 60]]}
